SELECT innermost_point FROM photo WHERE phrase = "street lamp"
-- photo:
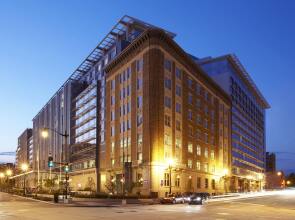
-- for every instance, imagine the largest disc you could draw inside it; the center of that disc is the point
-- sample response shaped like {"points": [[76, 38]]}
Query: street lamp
{"points": [[24, 168], [170, 163], [65, 135], [8, 172], [288, 182], [279, 173]]}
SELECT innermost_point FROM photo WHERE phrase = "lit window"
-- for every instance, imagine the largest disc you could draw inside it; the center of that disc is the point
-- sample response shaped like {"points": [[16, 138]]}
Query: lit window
{"points": [[198, 165], [167, 121], [190, 163], [206, 167], [166, 179], [198, 150], [212, 154], [206, 152], [190, 147], [177, 143]]}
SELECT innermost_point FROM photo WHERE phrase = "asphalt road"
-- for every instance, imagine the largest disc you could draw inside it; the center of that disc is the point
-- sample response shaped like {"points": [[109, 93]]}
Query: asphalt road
{"points": [[279, 206]]}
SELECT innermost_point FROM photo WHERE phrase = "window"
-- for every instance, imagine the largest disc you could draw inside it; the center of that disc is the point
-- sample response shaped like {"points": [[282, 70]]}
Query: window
{"points": [[213, 183], [190, 114], [198, 104], [168, 65], [198, 134], [112, 147], [206, 110], [139, 119], [206, 152], [189, 83], [139, 101], [167, 83], [199, 119], [190, 147], [178, 73], [113, 84], [139, 65], [205, 167], [167, 120], [199, 150], [178, 108], [178, 125], [212, 155], [190, 131], [112, 131], [206, 138], [139, 83], [112, 115], [112, 100], [198, 165], [190, 163], [167, 102], [167, 140], [199, 182], [206, 183], [206, 123], [198, 89], [178, 90], [139, 156], [206, 96], [139, 140], [190, 99], [113, 162], [177, 143], [177, 181], [166, 179], [213, 169]]}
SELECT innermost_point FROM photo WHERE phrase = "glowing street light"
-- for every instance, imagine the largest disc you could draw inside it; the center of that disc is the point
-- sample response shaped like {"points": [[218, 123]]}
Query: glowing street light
{"points": [[2, 175], [288, 182], [279, 173], [44, 133], [24, 167], [9, 172], [225, 172]]}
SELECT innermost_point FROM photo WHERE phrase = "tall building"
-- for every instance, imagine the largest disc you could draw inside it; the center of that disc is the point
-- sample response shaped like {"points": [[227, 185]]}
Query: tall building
{"points": [[248, 120]]}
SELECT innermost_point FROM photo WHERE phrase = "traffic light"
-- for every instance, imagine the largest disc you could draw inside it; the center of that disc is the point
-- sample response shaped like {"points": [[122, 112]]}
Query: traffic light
{"points": [[50, 161], [67, 168]]}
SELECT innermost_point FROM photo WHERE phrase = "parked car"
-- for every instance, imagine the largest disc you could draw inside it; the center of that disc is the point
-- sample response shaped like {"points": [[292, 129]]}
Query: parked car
{"points": [[172, 199]]}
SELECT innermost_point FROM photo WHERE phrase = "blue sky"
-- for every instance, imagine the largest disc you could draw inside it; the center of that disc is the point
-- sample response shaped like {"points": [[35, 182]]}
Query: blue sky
{"points": [[42, 42]]}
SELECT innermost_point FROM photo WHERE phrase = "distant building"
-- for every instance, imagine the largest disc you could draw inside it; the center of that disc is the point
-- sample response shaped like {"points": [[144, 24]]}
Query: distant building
{"points": [[270, 165], [23, 148]]}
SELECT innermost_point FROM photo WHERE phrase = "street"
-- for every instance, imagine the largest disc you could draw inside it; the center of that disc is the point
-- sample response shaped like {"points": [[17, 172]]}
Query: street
{"points": [[274, 206]]}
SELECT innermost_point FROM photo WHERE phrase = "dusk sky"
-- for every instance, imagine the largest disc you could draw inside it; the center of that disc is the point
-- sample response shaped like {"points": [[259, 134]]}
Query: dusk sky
{"points": [[42, 42]]}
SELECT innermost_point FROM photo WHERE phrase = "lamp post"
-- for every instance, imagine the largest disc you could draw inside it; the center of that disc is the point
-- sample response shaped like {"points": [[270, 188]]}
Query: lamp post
{"points": [[24, 168], [65, 135]]}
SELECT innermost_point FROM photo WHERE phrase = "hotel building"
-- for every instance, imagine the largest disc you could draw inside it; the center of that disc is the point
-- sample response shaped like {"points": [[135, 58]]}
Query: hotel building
{"points": [[140, 115]]}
